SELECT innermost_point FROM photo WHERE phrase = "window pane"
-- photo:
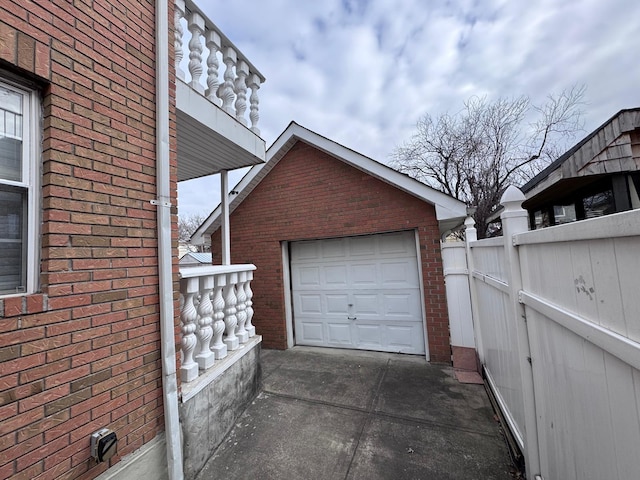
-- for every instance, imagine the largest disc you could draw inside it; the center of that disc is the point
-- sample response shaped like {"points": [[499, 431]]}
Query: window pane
{"points": [[564, 213], [598, 204], [10, 159], [12, 223], [10, 135], [10, 101], [541, 219]]}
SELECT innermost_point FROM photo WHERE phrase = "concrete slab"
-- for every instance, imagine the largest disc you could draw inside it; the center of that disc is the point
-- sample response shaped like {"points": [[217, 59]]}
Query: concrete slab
{"points": [[337, 378], [287, 438], [399, 449], [341, 414], [432, 393]]}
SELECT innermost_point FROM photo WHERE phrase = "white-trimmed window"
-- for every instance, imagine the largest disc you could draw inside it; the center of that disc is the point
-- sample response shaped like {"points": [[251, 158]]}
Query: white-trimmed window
{"points": [[19, 189]]}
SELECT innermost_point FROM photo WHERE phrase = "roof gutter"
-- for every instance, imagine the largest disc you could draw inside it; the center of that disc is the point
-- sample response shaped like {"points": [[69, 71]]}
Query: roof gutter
{"points": [[165, 269]]}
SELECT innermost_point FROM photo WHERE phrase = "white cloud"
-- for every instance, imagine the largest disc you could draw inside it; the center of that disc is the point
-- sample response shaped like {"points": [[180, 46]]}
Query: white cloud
{"points": [[362, 72]]}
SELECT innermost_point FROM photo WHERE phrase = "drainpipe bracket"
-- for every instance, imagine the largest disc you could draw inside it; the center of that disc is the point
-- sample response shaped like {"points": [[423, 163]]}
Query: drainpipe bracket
{"points": [[161, 203]]}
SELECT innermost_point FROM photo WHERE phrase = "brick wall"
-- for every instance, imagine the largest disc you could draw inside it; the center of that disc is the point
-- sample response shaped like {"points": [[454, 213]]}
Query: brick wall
{"points": [[310, 195], [84, 352]]}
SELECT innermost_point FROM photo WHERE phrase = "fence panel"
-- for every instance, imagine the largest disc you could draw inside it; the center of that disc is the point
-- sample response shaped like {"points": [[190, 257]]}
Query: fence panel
{"points": [[582, 307], [498, 332], [567, 299], [456, 277], [488, 257]]}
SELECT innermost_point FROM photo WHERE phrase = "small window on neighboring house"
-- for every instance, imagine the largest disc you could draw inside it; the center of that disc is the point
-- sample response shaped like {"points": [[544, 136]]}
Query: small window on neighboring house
{"points": [[599, 204], [564, 214], [541, 219], [18, 189], [634, 189]]}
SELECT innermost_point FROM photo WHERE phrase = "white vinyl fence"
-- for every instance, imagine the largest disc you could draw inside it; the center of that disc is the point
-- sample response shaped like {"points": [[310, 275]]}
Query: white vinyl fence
{"points": [[557, 321]]}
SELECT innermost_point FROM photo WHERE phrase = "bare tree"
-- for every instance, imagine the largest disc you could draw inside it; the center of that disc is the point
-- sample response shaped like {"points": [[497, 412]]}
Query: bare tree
{"points": [[187, 224], [475, 154]]}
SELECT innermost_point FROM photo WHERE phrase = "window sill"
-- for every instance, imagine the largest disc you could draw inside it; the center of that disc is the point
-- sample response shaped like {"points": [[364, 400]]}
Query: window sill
{"points": [[23, 304]]}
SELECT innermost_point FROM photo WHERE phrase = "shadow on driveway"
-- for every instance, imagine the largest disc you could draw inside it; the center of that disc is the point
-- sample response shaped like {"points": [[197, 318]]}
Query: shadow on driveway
{"points": [[344, 414]]}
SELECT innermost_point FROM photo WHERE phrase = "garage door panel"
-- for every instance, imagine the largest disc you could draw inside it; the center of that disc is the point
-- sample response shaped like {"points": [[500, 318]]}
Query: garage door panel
{"points": [[334, 248], [397, 243], [362, 246], [364, 275], [401, 304], [335, 276], [308, 277], [402, 338], [312, 332], [310, 304], [366, 304], [369, 336], [339, 333], [364, 291], [306, 251], [337, 304], [399, 274]]}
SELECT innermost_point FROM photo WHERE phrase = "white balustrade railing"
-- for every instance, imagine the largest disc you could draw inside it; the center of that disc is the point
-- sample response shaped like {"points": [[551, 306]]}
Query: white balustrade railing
{"points": [[207, 45], [215, 314]]}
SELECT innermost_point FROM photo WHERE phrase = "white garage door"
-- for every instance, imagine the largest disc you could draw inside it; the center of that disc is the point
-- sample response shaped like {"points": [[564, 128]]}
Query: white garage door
{"points": [[358, 292]]}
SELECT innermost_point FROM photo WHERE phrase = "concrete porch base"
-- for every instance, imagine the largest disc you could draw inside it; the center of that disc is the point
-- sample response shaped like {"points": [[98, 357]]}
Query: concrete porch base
{"points": [[211, 411]]}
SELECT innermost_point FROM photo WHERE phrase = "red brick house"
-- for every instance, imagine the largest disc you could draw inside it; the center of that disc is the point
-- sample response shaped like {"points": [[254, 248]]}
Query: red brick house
{"points": [[97, 124], [347, 249]]}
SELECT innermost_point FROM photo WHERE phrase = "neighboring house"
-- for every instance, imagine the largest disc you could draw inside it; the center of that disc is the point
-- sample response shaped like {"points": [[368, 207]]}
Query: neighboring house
{"points": [[184, 248], [195, 259], [347, 249], [598, 176], [97, 126]]}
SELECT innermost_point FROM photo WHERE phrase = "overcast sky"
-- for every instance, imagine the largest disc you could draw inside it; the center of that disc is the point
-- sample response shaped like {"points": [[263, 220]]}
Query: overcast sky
{"points": [[362, 72]]}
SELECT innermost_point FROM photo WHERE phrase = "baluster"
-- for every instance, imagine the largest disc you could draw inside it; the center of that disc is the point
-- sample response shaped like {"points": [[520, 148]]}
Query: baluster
{"points": [[230, 320], [241, 314], [188, 316], [178, 15], [196, 27], [240, 87], [254, 114], [205, 357], [251, 330], [225, 91], [218, 346], [213, 44]]}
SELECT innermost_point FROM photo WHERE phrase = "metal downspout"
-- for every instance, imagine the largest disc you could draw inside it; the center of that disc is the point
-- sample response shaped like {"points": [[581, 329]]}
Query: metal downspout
{"points": [[224, 224], [165, 268]]}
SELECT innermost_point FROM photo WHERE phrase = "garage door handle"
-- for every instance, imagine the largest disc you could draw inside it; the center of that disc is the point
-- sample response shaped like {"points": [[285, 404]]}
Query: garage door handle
{"points": [[352, 318]]}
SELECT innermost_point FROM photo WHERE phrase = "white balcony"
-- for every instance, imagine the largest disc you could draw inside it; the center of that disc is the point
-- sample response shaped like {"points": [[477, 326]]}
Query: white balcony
{"points": [[218, 107], [217, 118]]}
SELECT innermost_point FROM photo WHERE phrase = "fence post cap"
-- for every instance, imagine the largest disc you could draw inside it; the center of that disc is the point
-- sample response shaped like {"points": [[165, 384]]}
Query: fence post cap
{"points": [[469, 222], [512, 198]]}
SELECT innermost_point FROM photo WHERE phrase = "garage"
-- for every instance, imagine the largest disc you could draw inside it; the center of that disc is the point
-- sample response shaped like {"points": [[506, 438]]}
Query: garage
{"points": [[347, 250], [360, 292]]}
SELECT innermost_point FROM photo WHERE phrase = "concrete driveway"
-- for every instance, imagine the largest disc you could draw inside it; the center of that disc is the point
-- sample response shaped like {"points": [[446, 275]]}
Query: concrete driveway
{"points": [[344, 414]]}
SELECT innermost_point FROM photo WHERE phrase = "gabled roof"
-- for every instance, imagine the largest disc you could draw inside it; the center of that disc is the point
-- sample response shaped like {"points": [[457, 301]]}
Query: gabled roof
{"points": [[449, 212], [568, 164], [196, 257]]}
